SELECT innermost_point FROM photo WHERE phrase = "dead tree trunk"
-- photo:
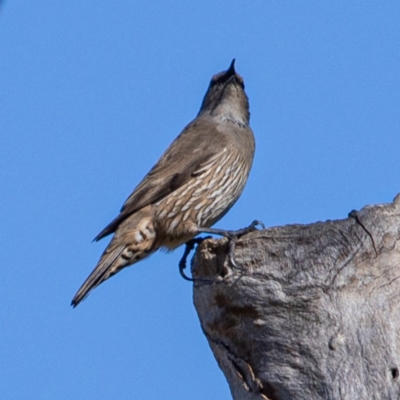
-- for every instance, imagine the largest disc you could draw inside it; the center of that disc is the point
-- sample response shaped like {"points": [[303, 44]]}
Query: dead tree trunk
{"points": [[315, 313]]}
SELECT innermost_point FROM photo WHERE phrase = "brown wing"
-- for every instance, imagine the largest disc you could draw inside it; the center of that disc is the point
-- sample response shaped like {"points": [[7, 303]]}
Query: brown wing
{"points": [[185, 158]]}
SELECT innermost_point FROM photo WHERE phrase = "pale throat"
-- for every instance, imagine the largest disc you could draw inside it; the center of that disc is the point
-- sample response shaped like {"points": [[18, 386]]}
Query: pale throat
{"points": [[231, 112]]}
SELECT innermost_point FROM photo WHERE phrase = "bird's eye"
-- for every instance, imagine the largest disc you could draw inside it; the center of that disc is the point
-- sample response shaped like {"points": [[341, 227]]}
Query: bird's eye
{"points": [[239, 80], [214, 81], [218, 78]]}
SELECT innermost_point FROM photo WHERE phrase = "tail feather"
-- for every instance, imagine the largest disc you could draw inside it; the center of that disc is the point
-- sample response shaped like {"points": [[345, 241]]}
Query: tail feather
{"points": [[134, 240], [107, 266]]}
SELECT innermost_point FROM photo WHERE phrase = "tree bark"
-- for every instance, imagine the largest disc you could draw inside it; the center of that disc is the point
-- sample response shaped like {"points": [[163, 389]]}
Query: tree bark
{"points": [[315, 312]]}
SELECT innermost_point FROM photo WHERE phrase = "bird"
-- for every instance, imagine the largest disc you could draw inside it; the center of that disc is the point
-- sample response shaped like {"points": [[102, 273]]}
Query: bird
{"points": [[193, 185]]}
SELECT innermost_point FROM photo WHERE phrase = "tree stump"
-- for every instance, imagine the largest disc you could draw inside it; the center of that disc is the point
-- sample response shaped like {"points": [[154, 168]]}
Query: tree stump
{"points": [[315, 312]]}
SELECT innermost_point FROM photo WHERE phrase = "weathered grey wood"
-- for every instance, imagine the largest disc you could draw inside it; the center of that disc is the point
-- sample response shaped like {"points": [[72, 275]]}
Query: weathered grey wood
{"points": [[315, 315]]}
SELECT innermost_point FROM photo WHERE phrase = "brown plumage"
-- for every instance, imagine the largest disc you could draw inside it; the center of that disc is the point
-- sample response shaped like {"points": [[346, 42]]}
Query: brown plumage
{"points": [[195, 182]]}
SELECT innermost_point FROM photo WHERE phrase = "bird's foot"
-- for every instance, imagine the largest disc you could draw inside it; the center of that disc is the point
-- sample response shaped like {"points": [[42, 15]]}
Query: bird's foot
{"points": [[182, 263], [232, 236]]}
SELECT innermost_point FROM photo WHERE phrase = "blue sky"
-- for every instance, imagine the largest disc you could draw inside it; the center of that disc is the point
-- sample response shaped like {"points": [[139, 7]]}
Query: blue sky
{"points": [[92, 92]]}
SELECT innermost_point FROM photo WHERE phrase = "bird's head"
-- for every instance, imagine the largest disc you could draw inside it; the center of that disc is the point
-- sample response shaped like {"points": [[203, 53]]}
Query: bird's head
{"points": [[226, 98]]}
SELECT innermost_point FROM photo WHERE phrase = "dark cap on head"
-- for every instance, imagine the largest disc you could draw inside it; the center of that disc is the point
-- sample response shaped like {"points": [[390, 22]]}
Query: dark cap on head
{"points": [[227, 76]]}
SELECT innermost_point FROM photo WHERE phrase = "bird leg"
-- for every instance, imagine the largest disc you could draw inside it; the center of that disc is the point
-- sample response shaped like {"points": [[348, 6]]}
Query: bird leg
{"points": [[232, 236]]}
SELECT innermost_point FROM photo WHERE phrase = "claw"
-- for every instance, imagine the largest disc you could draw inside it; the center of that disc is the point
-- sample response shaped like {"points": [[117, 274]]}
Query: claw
{"points": [[232, 247], [188, 249], [256, 223], [182, 263]]}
